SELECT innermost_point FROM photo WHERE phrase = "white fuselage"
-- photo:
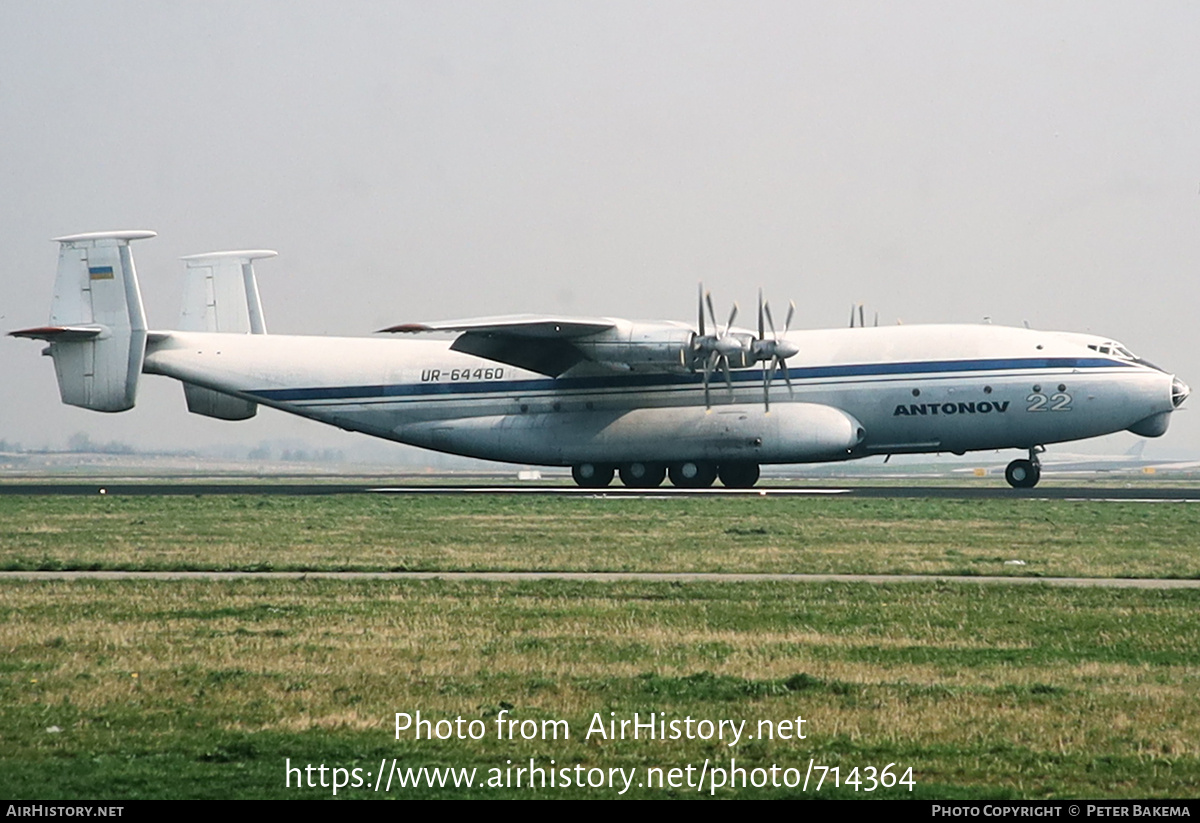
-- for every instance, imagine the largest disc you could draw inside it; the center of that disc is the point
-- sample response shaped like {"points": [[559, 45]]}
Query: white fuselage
{"points": [[855, 392]]}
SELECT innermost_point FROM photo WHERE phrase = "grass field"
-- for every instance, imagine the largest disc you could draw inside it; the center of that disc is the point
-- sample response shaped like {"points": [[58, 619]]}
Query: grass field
{"points": [[204, 689], [372, 533]]}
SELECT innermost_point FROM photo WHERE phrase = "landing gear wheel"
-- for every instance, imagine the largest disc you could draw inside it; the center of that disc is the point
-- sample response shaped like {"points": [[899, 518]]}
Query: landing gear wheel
{"points": [[643, 475], [592, 475], [738, 475], [1023, 474], [692, 475]]}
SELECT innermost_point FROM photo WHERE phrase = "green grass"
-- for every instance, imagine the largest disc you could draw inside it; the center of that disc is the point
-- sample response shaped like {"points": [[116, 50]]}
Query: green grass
{"points": [[202, 689], [127, 689], [369, 533]]}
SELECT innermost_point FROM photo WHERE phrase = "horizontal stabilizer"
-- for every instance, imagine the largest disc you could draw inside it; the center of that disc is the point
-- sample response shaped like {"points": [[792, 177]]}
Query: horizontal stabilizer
{"points": [[53, 333], [124, 235]]}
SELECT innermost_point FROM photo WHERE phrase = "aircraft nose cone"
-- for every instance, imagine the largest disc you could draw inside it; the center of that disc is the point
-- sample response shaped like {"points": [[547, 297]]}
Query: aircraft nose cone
{"points": [[1179, 392], [785, 349]]}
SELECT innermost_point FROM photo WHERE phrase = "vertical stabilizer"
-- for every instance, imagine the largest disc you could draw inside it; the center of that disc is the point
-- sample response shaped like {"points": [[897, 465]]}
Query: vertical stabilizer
{"points": [[97, 328], [220, 294]]}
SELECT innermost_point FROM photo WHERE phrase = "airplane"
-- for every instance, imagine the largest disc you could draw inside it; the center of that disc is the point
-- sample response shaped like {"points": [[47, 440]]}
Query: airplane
{"points": [[644, 400]]}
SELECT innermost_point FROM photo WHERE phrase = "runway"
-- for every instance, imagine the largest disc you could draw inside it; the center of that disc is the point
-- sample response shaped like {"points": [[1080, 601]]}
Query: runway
{"points": [[616, 577], [1128, 493]]}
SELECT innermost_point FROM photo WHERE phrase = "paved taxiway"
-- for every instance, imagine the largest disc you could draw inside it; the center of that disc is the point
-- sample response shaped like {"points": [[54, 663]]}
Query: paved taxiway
{"points": [[616, 577], [1131, 493]]}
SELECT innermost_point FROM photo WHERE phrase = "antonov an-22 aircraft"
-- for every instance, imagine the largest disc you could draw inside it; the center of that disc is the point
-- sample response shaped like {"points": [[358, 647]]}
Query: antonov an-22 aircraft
{"points": [[645, 400]]}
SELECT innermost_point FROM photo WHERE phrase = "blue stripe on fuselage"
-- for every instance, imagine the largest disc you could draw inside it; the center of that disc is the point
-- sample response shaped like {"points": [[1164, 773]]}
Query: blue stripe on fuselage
{"points": [[636, 381]]}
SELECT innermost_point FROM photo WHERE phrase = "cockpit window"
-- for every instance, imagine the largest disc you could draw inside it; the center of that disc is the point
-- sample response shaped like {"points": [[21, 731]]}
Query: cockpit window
{"points": [[1113, 348]]}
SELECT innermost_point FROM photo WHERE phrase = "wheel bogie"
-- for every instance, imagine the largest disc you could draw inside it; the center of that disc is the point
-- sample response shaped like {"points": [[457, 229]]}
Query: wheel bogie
{"points": [[738, 475], [642, 475], [592, 475], [687, 474], [692, 474]]}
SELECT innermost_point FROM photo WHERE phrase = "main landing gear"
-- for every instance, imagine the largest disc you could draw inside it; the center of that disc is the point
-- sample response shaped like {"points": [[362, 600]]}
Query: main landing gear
{"points": [[1025, 474], [592, 475], [690, 474], [643, 475]]}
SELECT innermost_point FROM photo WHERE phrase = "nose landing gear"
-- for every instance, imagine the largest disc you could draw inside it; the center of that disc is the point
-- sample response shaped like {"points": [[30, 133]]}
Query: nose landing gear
{"points": [[1025, 474]]}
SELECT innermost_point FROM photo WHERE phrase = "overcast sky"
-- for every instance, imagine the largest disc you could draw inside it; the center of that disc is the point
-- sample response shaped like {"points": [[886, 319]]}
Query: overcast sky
{"points": [[941, 162]]}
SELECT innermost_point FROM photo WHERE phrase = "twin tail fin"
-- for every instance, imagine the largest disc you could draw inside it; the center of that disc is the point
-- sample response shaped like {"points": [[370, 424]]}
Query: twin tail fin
{"points": [[97, 330]]}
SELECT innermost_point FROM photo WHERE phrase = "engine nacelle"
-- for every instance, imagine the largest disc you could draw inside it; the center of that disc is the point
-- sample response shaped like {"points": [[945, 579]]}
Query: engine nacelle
{"points": [[641, 346]]}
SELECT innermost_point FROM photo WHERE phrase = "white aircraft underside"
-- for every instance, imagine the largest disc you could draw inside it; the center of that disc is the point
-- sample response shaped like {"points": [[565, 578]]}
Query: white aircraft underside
{"points": [[599, 394]]}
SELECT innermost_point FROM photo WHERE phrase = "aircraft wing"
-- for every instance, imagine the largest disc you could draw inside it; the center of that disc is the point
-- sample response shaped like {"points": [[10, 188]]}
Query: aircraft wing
{"points": [[539, 343], [517, 325]]}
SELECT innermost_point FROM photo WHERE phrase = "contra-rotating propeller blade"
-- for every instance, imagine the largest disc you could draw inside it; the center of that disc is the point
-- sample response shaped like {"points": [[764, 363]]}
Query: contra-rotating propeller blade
{"points": [[714, 349], [774, 350]]}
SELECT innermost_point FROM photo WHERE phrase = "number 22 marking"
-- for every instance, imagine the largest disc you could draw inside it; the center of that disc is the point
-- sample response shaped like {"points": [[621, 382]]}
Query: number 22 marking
{"points": [[1060, 401]]}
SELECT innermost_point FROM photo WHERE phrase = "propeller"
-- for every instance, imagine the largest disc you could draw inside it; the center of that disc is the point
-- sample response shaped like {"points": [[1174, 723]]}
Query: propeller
{"points": [[862, 321], [716, 348], [775, 350], [715, 351]]}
